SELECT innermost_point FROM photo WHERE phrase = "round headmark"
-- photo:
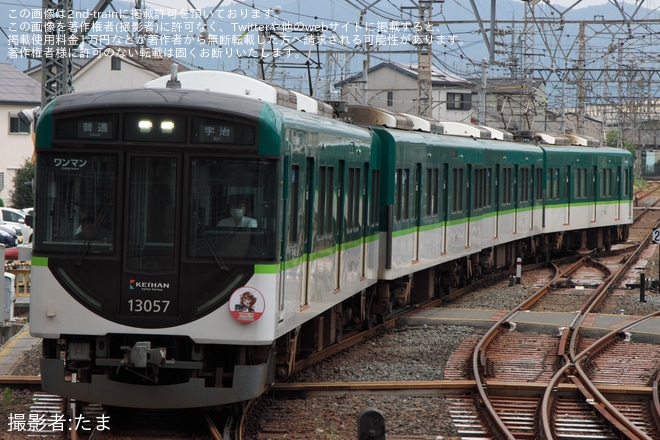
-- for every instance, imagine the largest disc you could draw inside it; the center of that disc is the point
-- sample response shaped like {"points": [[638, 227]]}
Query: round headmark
{"points": [[246, 304]]}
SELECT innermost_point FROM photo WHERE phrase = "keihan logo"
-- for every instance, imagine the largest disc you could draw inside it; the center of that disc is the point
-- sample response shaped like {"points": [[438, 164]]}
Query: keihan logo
{"points": [[147, 285]]}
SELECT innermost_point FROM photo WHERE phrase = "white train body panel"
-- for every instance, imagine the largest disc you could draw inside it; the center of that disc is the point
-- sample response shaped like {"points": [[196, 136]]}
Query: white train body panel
{"points": [[55, 312]]}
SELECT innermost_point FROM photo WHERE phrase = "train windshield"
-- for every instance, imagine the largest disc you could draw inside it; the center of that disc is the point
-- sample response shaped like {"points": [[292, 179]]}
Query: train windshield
{"points": [[233, 209], [227, 206], [79, 203]]}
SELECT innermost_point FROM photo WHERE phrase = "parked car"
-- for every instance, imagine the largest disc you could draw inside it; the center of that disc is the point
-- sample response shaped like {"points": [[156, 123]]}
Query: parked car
{"points": [[16, 218], [11, 254], [8, 236]]}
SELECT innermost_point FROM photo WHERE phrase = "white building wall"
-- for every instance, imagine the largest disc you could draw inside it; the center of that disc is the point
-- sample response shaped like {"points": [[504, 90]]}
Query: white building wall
{"points": [[404, 95]]}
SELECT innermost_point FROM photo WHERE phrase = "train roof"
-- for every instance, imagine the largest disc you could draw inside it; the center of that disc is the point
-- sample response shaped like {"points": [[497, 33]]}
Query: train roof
{"points": [[563, 149], [583, 140], [465, 129], [236, 84], [376, 117], [184, 99], [425, 124], [498, 133], [201, 101]]}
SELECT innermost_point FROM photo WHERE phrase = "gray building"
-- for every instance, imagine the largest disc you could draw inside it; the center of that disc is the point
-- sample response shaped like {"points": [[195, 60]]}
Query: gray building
{"points": [[393, 86]]}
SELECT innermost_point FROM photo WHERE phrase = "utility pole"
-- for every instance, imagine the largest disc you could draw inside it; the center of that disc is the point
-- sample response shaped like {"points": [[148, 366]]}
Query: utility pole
{"points": [[581, 89], [59, 42], [56, 64], [482, 92], [423, 42], [424, 82], [365, 78]]}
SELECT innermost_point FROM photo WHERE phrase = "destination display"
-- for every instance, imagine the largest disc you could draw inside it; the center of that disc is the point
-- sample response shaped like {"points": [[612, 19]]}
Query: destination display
{"points": [[101, 127]]}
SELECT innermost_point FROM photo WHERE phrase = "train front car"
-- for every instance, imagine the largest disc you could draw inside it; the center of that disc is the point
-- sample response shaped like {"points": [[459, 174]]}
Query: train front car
{"points": [[156, 256]]}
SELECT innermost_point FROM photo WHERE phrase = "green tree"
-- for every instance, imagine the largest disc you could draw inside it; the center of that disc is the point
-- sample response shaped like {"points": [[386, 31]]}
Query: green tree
{"points": [[23, 196], [612, 140]]}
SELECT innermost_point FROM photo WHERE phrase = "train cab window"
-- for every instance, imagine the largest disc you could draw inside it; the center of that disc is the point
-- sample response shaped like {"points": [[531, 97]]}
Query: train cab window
{"points": [[152, 204], [79, 204], [233, 208]]}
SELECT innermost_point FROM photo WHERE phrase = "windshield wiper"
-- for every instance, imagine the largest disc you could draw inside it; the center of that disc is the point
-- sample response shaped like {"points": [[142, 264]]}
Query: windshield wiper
{"points": [[209, 242], [87, 244]]}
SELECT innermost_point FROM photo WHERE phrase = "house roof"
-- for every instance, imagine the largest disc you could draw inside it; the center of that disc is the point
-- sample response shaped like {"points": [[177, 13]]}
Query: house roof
{"points": [[18, 88], [439, 77]]}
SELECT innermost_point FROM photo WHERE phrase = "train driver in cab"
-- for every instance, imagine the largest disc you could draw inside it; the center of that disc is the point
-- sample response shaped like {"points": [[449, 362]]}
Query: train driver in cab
{"points": [[237, 218]]}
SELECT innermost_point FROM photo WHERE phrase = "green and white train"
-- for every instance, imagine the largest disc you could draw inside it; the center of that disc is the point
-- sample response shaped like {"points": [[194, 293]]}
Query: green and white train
{"points": [[150, 290]]}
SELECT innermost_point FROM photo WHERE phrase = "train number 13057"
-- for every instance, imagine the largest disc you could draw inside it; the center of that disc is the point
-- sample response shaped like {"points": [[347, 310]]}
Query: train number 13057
{"points": [[148, 305]]}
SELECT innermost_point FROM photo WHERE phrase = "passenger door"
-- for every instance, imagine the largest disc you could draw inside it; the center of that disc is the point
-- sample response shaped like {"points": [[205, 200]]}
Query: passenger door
{"points": [[150, 282], [417, 184]]}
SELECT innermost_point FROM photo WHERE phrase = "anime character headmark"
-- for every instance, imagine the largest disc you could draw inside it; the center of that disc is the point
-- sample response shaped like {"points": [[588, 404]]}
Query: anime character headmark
{"points": [[246, 303]]}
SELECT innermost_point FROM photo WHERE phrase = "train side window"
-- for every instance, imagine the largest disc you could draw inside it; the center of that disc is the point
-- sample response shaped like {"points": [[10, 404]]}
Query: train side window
{"points": [[402, 194], [353, 214], [580, 183], [488, 184], [482, 188], [553, 183], [457, 190], [524, 185], [374, 207], [478, 184], [325, 200], [294, 202], [432, 191], [506, 186], [606, 182], [539, 184]]}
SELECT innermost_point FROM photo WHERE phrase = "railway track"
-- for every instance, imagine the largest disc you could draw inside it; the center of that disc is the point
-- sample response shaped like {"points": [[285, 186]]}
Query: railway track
{"points": [[513, 369], [588, 409]]}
